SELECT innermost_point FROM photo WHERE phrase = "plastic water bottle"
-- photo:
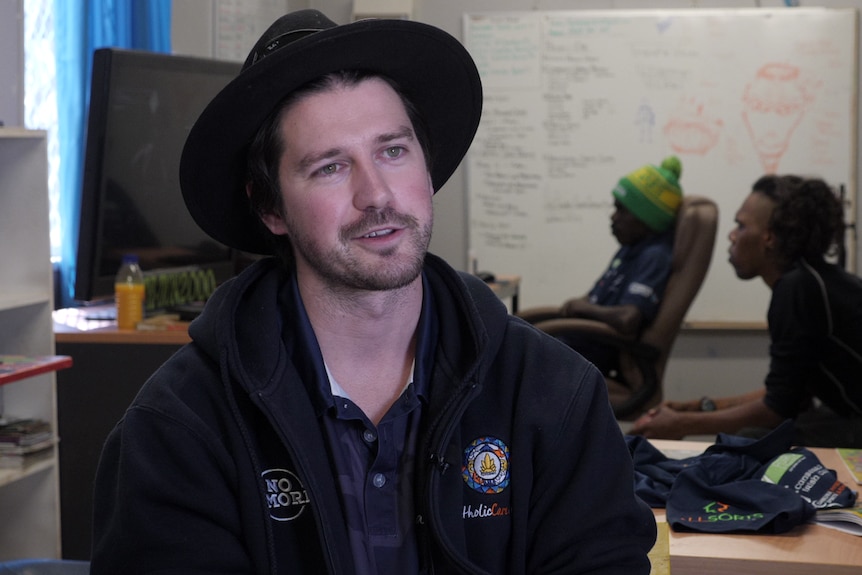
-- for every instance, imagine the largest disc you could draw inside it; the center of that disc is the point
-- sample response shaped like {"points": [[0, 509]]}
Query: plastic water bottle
{"points": [[129, 293]]}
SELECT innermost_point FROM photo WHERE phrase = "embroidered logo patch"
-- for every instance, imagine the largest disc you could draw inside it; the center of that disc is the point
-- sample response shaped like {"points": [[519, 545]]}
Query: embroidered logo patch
{"points": [[285, 494], [486, 465], [637, 288]]}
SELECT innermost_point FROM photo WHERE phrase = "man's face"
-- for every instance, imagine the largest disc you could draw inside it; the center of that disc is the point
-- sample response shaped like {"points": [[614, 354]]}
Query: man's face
{"points": [[751, 239], [626, 227], [355, 188]]}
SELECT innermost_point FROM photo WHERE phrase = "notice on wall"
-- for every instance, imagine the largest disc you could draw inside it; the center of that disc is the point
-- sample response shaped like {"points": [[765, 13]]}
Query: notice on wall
{"points": [[239, 23]]}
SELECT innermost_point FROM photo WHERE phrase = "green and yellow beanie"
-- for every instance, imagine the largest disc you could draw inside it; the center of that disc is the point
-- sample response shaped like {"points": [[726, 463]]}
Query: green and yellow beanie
{"points": [[652, 193]]}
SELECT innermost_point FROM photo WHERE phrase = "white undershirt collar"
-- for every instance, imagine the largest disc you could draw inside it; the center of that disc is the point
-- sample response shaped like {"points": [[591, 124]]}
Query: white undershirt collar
{"points": [[338, 391]]}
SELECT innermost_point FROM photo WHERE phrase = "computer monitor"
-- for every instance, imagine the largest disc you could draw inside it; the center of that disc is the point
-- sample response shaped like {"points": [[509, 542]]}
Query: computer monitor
{"points": [[142, 106]]}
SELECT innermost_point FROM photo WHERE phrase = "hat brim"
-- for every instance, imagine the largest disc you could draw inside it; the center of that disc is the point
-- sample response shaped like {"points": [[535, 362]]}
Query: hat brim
{"points": [[433, 69]]}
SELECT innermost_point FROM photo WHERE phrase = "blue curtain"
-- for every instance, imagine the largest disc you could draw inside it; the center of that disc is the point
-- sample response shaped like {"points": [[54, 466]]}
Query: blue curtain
{"points": [[80, 27]]}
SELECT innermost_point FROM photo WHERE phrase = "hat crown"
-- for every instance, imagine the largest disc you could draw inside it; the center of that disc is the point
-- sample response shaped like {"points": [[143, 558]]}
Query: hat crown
{"points": [[287, 29]]}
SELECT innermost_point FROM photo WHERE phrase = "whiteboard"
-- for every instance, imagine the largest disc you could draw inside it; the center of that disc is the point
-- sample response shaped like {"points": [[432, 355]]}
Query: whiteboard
{"points": [[574, 100]]}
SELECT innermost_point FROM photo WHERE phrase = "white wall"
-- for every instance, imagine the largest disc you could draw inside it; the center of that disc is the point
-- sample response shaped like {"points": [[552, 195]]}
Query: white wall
{"points": [[193, 27], [704, 362], [12, 62]]}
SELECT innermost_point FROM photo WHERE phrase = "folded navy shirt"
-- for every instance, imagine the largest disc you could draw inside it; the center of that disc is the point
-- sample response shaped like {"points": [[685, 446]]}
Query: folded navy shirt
{"points": [[738, 484]]}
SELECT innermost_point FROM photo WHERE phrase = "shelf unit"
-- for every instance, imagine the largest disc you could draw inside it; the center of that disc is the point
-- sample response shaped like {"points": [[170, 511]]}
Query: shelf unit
{"points": [[29, 497]]}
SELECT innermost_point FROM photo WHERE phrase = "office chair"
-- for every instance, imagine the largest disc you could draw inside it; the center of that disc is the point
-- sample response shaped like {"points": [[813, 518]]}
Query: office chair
{"points": [[637, 385]]}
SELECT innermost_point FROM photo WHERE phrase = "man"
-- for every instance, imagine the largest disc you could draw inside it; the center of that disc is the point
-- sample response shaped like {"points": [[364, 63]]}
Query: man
{"points": [[356, 405], [626, 297], [784, 230]]}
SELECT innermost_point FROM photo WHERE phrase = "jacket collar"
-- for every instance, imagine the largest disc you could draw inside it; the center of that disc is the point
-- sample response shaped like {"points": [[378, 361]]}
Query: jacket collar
{"points": [[471, 322]]}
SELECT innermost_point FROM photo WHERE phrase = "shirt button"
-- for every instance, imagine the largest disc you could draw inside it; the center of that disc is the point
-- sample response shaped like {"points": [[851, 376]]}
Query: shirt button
{"points": [[379, 480], [369, 436]]}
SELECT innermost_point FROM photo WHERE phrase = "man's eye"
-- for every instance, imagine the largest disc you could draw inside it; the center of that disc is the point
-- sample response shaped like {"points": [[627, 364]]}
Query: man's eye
{"points": [[394, 151], [329, 169]]}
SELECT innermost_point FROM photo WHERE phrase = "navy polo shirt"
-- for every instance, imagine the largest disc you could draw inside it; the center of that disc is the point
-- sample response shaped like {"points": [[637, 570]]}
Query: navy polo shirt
{"points": [[637, 275], [374, 465]]}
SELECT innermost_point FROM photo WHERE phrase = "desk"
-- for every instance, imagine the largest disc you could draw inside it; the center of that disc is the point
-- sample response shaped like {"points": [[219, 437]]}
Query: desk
{"points": [[808, 549], [72, 325], [110, 366], [507, 287]]}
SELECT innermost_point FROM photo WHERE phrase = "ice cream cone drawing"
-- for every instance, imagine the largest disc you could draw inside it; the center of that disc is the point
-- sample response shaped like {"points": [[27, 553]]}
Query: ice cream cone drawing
{"points": [[773, 105]]}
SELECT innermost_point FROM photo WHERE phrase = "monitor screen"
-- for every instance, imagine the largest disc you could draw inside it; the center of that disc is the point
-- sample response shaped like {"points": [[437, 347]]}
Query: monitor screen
{"points": [[142, 106]]}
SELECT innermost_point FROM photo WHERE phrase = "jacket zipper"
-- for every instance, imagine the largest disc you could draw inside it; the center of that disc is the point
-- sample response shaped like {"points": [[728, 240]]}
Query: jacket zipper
{"points": [[439, 463]]}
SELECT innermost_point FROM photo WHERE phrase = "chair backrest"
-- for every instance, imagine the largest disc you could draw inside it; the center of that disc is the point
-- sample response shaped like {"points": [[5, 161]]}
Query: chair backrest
{"points": [[694, 240]]}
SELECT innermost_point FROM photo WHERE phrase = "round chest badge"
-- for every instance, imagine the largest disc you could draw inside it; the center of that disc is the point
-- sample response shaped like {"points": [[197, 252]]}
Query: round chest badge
{"points": [[486, 465], [285, 495]]}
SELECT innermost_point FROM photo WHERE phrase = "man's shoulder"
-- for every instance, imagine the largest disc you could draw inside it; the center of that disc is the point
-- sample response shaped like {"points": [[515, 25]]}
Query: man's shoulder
{"points": [[817, 276], [661, 242], [654, 244], [656, 250]]}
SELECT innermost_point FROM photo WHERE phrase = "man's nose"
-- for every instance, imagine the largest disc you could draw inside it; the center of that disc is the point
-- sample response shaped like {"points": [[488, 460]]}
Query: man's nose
{"points": [[371, 188]]}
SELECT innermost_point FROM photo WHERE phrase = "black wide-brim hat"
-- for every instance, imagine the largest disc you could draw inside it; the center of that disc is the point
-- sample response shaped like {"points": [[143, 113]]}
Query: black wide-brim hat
{"points": [[432, 68]]}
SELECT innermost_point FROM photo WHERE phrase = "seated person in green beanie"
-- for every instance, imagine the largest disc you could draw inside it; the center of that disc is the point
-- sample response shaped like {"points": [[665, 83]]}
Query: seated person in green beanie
{"points": [[627, 295]]}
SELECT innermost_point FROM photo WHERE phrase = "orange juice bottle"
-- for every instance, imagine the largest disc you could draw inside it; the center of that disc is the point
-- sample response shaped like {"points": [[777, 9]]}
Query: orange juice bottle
{"points": [[129, 293]]}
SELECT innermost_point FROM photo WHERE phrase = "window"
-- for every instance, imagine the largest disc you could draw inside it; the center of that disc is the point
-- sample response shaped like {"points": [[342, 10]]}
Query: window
{"points": [[40, 98], [56, 86]]}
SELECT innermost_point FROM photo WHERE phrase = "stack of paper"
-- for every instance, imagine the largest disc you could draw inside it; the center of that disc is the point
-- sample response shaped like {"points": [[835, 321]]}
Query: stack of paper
{"points": [[23, 439]]}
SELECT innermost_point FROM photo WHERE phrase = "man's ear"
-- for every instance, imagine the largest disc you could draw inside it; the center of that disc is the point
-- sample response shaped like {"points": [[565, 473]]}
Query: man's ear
{"points": [[769, 241], [274, 222]]}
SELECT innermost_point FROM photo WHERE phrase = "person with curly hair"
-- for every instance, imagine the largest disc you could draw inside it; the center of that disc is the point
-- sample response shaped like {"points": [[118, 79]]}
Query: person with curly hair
{"points": [[786, 231]]}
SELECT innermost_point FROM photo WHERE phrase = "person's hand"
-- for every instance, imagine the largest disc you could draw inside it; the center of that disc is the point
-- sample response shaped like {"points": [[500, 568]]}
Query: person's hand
{"points": [[570, 307], [690, 405], [662, 422]]}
